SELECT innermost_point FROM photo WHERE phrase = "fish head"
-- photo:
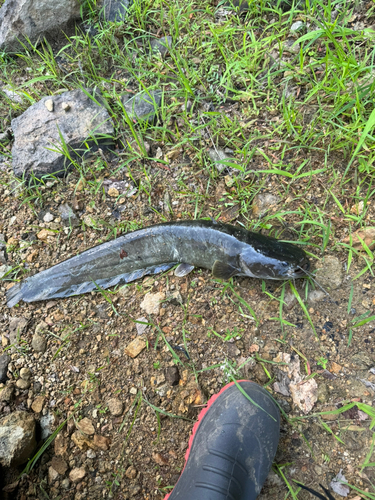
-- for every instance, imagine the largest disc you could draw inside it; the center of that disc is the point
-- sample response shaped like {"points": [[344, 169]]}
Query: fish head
{"points": [[275, 260]]}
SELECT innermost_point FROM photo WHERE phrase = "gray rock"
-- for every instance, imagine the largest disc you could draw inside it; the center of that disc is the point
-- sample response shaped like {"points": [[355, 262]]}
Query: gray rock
{"points": [[297, 26], [17, 438], [216, 156], [39, 343], [17, 326], [263, 202], [4, 269], [36, 132], [3, 258], [68, 216], [34, 19], [12, 94], [4, 362], [329, 275], [7, 393], [161, 45], [116, 10], [142, 107], [47, 423], [25, 373], [315, 296], [172, 375], [291, 46], [175, 298], [290, 300], [141, 327]]}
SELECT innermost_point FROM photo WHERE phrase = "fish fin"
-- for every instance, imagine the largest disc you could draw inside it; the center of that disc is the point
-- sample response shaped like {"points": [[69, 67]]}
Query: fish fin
{"points": [[14, 295], [223, 271], [183, 269]]}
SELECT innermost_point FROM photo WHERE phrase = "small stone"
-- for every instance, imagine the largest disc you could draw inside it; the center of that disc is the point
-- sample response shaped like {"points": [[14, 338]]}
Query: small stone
{"points": [[151, 302], [161, 45], [90, 454], [7, 393], [85, 425], [65, 483], [217, 156], [80, 440], [115, 406], [25, 373], [290, 300], [172, 375], [263, 202], [4, 270], [113, 192], [4, 362], [143, 106], [76, 475], [175, 298], [131, 472], [335, 368], [38, 403], [160, 459], [135, 347], [68, 216], [291, 46], [52, 475], [61, 445], [297, 26], [59, 464], [315, 296], [49, 104], [39, 343], [133, 390], [65, 106], [17, 438], [46, 235], [32, 256], [101, 442], [141, 327], [329, 274], [23, 384], [47, 423], [48, 217]]}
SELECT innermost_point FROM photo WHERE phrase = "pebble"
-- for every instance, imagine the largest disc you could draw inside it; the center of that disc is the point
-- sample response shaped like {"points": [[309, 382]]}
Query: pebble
{"points": [[25, 373], [113, 192], [65, 106], [39, 343], [52, 475], [7, 393], [85, 425], [329, 274], [45, 235], [49, 104], [37, 404], [141, 327], [161, 45], [4, 269], [133, 390], [290, 300], [59, 464], [263, 202], [68, 216], [290, 46], [48, 217], [297, 26], [151, 302], [90, 453], [217, 156], [65, 483], [101, 442], [23, 384], [135, 347], [4, 362], [115, 407], [172, 375], [76, 475], [315, 296], [131, 472]]}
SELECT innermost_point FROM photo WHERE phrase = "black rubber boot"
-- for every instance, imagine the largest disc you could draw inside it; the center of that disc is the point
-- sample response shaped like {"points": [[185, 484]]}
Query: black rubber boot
{"points": [[232, 446]]}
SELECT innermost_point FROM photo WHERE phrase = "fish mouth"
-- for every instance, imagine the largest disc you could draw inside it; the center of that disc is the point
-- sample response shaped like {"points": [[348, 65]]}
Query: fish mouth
{"points": [[301, 270]]}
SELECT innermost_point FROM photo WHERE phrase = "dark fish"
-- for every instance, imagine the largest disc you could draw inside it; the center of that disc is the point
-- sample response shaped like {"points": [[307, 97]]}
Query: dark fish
{"points": [[227, 250]]}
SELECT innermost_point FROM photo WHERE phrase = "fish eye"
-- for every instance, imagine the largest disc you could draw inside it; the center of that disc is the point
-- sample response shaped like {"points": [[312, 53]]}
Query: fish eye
{"points": [[285, 264]]}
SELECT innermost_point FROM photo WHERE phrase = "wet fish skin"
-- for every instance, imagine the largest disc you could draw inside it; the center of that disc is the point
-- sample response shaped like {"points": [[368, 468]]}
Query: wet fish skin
{"points": [[223, 248]]}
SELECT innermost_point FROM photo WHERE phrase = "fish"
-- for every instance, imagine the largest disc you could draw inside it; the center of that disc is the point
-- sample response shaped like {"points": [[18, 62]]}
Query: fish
{"points": [[224, 249]]}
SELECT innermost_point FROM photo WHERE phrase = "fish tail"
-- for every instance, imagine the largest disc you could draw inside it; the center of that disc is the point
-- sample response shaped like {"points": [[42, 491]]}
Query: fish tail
{"points": [[14, 295]]}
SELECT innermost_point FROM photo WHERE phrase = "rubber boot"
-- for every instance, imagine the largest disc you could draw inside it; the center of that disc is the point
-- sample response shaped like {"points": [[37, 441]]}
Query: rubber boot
{"points": [[232, 446]]}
